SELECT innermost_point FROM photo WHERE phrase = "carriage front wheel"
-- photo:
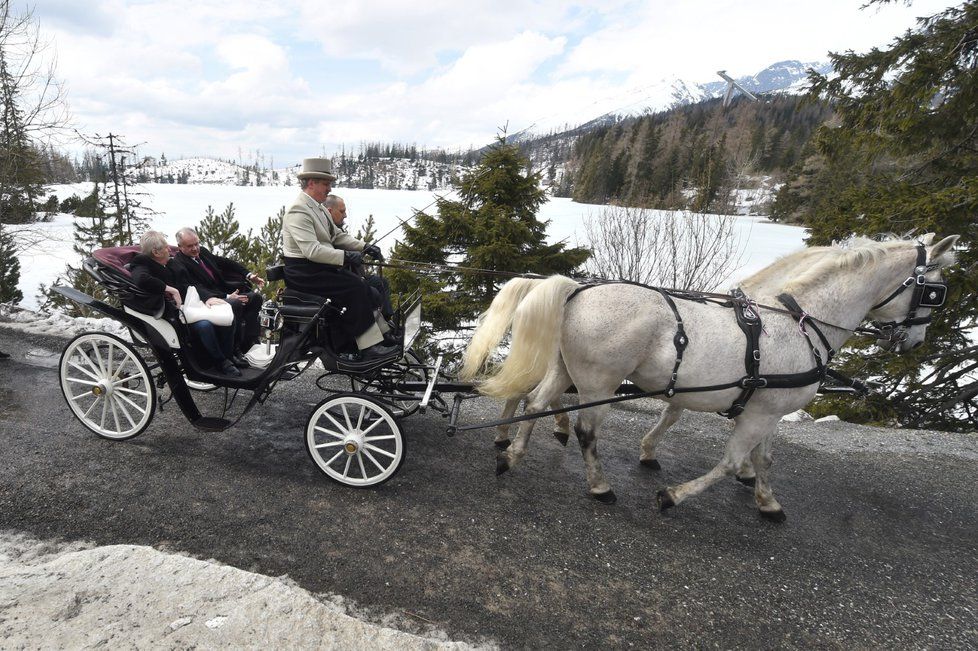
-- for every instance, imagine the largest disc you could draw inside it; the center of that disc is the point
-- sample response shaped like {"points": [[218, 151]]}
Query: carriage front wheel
{"points": [[107, 385], [355, 440]]}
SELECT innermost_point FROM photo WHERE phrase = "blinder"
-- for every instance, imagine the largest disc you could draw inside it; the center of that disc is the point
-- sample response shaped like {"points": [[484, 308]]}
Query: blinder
{"points": [[934, 295]]}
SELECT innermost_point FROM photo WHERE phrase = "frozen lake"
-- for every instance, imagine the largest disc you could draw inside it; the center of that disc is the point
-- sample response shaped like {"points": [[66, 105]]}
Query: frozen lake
{"points": [[761, 241]]}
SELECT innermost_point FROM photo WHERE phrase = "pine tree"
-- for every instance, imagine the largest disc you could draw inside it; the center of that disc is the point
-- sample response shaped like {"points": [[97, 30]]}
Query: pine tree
{"points": [[367, 232], [220, 233], [9, 269], [263, 250], [21, 172], [94, 229], [904, 158], [493, 225]]}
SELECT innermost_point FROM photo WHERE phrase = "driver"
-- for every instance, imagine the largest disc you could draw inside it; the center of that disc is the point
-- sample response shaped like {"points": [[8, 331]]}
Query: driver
{"points": [[315, 251]]}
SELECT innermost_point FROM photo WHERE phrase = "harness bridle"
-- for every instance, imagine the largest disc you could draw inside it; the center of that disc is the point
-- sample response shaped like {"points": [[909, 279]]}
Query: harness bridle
{"points": [[925, 294]]}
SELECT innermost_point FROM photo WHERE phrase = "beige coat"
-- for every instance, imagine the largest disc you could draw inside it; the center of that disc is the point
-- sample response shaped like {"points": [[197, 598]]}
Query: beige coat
{"points": [[309, 232]]}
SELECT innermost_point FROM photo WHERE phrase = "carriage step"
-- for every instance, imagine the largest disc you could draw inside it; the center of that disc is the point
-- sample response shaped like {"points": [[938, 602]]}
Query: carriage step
{"points": [[211, 424]]}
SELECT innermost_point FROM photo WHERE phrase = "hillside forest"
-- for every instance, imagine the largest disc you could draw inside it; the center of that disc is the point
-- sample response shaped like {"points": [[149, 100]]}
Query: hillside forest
{"points": [[692, 157]]}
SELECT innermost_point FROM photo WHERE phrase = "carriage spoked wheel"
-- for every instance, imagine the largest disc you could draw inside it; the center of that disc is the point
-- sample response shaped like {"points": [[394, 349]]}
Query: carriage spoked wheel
{"points": [[389, 380], [107, 385], [355, 440]]}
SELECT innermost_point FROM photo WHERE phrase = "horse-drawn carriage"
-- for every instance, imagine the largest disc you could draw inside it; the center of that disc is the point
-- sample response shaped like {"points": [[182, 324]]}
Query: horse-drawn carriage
{"points": [[112, 386], [618, 338]]}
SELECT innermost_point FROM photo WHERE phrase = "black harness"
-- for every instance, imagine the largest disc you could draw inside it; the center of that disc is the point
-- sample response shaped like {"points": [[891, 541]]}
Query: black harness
{"points": [[747, 312], [925, 294]]}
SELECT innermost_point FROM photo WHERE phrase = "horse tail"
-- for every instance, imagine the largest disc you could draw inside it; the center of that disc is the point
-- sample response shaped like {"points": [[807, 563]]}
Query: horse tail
{"points": [[536, 339], [493, 325]]}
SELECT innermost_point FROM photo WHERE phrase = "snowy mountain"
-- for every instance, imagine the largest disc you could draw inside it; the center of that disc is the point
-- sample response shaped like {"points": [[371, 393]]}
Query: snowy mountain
{"points": [[665, 94]]}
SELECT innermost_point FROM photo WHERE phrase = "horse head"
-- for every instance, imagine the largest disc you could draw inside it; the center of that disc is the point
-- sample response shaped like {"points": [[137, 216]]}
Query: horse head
{"points": [[902, 314]]}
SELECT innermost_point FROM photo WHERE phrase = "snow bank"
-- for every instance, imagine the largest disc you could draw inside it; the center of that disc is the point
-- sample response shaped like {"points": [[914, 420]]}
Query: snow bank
{"points": [[127, 596]]}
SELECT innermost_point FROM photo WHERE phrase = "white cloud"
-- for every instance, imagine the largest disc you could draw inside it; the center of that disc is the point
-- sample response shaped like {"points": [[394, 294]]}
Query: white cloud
{"points": [[210, 76], [409, 37]]}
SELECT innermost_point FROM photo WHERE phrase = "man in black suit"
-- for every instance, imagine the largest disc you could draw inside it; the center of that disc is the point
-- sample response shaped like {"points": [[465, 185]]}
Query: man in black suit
{"points": [[223, 278]]}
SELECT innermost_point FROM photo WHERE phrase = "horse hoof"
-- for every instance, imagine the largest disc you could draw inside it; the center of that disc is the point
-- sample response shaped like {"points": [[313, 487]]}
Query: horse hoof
{"points": [[605, 498], [502, 465], [774, 516], [502, 445], [664, 500], [748, 481], [651, 464], [560, 436]]}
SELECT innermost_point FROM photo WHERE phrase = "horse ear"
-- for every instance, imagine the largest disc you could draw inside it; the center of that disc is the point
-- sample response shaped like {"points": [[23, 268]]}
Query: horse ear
{"points": [[927, 238], [942, 248]]}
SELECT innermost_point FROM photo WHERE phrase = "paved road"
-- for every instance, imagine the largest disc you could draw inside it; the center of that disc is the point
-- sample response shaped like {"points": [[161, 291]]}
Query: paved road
{"points": [[879, 549]]}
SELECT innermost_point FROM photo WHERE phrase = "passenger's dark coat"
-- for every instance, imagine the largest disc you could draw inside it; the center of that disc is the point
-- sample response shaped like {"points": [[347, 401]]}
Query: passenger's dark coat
{"points": [[151, 277]]}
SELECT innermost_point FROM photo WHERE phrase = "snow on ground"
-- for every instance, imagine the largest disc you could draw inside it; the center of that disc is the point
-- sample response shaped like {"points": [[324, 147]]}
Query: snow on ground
{"points": [[129, 596], [389, 173], [762, 242]]}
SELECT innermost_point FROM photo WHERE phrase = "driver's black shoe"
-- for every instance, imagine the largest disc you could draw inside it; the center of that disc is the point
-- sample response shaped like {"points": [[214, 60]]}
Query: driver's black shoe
{"points": [[239, 361], [377, 350], [390, 339], [230, 369]]}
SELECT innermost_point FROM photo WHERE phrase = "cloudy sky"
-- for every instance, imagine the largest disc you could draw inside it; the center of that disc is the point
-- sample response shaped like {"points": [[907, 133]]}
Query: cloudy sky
{"points": [[293, 78]]}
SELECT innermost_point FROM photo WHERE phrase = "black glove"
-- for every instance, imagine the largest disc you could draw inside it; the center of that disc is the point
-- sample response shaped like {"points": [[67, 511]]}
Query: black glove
{"points": [[352, 259], [374, 252]]}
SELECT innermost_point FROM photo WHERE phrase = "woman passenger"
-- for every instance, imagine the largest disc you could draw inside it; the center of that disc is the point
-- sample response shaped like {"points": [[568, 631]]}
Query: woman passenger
{"points": [[149, 273]]}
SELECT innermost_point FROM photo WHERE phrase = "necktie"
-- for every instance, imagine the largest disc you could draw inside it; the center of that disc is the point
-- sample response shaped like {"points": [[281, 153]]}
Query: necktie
{"points": [[204, 267]]}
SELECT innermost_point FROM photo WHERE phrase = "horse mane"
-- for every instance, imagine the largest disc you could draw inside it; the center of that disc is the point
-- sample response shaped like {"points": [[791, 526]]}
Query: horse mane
{"points": [[800, 270]]}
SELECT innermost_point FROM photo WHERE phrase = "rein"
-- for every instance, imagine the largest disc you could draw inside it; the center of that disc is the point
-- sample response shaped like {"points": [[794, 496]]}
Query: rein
{"points": [[925, 294]]}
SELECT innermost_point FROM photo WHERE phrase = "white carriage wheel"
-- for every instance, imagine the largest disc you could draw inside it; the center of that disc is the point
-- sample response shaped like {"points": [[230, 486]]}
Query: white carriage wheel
{"points": [[107, 385], [355, 441]]}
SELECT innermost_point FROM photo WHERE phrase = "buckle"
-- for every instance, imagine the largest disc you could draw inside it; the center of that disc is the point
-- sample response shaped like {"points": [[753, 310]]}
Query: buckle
{"points": [[757, 355]]}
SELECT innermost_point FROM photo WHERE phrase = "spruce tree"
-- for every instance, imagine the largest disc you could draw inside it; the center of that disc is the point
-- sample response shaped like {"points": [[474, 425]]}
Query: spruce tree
{"points": [[21, 171], [493, 225], [904, 159], [9, 269], [220, 233], [94, 228]]}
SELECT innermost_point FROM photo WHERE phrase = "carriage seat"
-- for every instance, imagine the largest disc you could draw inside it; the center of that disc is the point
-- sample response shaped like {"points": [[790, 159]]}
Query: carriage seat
{"points": [[114, 274], [299, 304]]}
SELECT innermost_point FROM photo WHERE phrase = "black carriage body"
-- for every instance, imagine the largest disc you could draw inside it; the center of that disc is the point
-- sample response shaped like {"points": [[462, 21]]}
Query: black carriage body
{"points": [[302, 321]]}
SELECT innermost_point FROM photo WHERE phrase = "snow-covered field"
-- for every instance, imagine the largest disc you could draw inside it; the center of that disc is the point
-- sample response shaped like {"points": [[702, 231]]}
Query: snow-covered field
{"points": [[185, 205]]}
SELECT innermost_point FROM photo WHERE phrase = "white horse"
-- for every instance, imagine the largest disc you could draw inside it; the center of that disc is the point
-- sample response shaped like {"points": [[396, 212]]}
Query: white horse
{"points": [[493, 326], [609, 333]]}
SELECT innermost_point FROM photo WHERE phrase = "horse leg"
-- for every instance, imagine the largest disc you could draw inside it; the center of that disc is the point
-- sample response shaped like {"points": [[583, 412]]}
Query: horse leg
{"points": [[747, 435], [562, 428], [746, 474], [502, 431], [767, 505], [651, 440], [586, 429], [554, 383]]}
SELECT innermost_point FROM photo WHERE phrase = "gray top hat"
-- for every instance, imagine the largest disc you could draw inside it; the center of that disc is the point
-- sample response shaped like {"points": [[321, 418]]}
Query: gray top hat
{"points": [[317, 168]]}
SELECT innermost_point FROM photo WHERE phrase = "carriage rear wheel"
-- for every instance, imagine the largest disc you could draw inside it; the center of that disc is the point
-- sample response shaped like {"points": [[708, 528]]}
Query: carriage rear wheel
{"points": [[107, 385], [355, 440]]}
